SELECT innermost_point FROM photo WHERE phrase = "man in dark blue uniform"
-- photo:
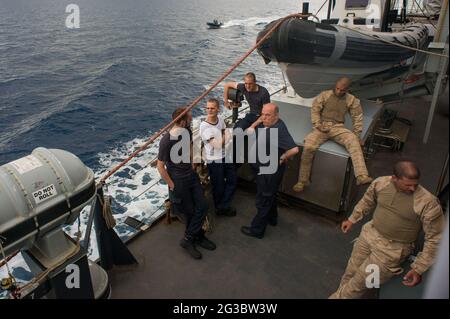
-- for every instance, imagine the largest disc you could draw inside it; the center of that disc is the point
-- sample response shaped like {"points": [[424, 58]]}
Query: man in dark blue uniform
{"points": [[256, 96], [185, 191], [271, 134]]}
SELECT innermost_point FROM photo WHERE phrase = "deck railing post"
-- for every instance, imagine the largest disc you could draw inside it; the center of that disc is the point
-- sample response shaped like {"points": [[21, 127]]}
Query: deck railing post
{"points": [[111, 249]]}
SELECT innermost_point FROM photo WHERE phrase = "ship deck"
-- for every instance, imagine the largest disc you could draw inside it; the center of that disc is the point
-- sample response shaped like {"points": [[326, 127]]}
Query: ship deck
{"points": [[304, 256]]}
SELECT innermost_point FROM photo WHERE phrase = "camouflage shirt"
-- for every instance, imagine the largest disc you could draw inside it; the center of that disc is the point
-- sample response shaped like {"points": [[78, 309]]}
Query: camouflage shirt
{"points": [[425, 205], [321, 105]]}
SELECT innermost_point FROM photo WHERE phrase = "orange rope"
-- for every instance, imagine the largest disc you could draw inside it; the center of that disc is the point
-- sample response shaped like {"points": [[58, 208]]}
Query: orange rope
{"points": [[8, 258], [198, 99]]}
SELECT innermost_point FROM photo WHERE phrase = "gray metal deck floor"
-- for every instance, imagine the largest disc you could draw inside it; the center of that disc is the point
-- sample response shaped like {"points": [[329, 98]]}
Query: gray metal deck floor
{"points": [[278, 266], [303, 257]]}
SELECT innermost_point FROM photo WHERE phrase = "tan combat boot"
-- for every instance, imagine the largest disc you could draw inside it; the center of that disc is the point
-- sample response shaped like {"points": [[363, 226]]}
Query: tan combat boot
{"points": [[300, 186], [363, 179]]}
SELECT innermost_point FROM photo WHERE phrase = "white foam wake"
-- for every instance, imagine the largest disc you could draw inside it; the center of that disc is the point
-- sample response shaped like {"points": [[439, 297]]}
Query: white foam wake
{"points": [[136, 191], [131, 193], [250, 22]]}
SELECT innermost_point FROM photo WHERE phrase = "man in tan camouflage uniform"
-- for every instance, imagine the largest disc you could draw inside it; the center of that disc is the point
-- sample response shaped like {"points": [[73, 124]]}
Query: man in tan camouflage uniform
{"points": [[401, 209], [328, 117]]}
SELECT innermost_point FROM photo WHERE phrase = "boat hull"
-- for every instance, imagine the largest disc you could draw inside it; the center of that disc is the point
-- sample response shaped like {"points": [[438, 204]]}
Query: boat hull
{"points": [[308, 81], [314, 55], [214, 25]]}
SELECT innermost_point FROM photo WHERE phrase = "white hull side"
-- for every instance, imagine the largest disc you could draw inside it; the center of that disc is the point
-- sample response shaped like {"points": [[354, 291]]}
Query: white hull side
{"points": [[308, 81]]}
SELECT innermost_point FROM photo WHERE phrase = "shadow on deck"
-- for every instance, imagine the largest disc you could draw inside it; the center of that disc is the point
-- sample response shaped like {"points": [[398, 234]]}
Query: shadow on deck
{"points": [[287, 263]]}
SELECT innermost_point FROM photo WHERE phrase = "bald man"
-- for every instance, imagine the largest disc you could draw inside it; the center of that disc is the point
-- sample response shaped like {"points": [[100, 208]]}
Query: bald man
{"points": [[268, 180], [328, 117], [401, 209]]}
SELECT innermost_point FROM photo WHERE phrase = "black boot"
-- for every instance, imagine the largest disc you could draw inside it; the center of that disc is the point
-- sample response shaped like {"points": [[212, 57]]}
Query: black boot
{"points": [[230, 212], [204, 242], [190, 248], [246, 230]]}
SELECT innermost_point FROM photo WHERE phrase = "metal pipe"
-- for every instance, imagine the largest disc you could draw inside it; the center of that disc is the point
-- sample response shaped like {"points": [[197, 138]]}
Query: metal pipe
{"points": [[305, 10], [442, 17], [385, 18], [437, 89], [330, 4], [405, 5], [442, 177], [85, 242]]}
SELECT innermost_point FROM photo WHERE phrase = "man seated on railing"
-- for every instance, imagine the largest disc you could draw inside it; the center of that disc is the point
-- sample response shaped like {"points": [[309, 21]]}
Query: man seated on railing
{"points": [[185, 191], [328, 116], [255, 94]]}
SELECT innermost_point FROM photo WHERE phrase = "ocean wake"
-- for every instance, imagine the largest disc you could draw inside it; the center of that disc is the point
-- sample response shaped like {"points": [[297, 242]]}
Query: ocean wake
{"points": [[250, 22]]}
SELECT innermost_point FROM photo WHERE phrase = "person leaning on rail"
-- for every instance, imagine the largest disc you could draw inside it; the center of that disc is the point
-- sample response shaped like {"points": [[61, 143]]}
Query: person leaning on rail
{"points": [[185, 190], [255, 94]]}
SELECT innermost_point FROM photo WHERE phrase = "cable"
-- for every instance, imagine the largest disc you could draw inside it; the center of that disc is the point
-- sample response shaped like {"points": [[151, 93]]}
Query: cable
{"points": [[199, 98], [135, 173], [8, 258], [39, 278], [321, 7], [393, 43], [136, 197], [428, 15]]}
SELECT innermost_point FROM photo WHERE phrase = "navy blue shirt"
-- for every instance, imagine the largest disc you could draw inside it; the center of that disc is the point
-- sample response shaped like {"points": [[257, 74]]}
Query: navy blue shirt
{"points": [[255, 100], [284, 143], [175, 170]]}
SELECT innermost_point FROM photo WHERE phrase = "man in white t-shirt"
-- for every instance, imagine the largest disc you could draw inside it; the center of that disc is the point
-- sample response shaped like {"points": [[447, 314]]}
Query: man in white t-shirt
{"points": [[223, 175]]}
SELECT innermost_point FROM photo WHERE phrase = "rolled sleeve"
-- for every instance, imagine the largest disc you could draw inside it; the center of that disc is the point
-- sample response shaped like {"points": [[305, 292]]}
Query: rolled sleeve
{"points": [[433, 223]]}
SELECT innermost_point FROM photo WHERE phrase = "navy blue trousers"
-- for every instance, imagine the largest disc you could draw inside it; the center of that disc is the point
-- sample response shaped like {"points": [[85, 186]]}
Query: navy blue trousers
{"points": [[266, 200], [189, 199], [223, 181], [247, 121]]}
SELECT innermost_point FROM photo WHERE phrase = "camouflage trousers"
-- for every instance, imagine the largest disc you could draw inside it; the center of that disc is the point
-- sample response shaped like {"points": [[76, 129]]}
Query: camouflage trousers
{"points": [[340, 135], [371, 250]]}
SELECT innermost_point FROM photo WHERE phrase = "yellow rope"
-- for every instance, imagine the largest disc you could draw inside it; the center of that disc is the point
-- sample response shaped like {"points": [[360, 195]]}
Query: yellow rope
{"points": [[6, 283], [107, 211]]}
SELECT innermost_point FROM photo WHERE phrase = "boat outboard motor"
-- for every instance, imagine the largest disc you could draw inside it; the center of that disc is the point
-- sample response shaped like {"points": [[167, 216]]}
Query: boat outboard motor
{"points": [[40, 193], [236, 97]]}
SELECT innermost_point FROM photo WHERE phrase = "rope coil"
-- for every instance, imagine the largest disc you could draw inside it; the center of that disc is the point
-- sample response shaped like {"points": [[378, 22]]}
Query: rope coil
{"points": [[107, 211]]}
